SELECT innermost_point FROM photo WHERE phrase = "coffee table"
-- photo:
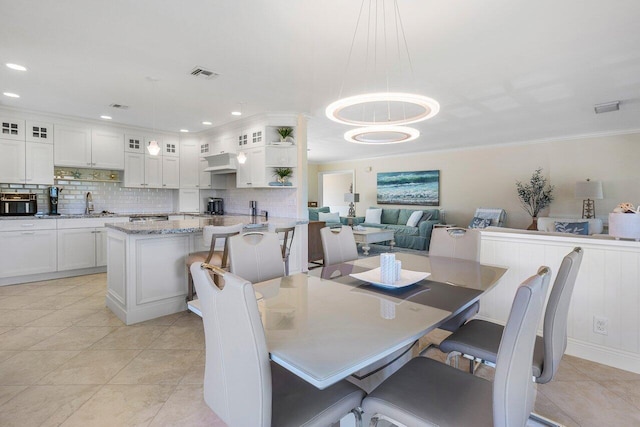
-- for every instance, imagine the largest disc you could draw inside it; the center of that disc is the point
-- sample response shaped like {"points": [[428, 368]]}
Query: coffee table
{"points": [[373, 235]]}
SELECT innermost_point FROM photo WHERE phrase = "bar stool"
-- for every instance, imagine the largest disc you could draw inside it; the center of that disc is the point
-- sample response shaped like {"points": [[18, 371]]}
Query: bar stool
{"points": [[211, 233], [287, 241]]}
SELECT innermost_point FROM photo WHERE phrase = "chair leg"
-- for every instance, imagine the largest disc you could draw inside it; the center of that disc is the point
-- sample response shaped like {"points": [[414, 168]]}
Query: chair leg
{"points": [[544, 420], [357, 414], [286, 266], [189, 286]]}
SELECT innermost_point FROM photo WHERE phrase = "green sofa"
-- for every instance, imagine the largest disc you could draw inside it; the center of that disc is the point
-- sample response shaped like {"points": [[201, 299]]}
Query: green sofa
{"points": [[405, 236]]}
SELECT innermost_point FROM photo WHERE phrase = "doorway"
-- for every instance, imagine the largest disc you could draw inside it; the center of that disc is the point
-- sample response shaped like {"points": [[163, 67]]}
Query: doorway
{"points": [[331, 188]]}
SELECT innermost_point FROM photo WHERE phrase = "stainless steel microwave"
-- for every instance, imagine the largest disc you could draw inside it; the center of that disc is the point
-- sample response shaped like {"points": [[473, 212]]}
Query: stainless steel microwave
{"points": [[18, 204]]}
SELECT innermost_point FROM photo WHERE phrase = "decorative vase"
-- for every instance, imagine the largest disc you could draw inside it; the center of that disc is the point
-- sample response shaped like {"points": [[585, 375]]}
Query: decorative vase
{"points": [[534, 224]]}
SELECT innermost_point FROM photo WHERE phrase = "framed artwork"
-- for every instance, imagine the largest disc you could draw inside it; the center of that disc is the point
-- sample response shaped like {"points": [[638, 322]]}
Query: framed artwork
{"points": [[409, 188]]}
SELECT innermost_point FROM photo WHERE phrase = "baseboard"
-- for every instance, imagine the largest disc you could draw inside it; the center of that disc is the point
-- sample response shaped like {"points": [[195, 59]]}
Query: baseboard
{"points": [[16, 280]]}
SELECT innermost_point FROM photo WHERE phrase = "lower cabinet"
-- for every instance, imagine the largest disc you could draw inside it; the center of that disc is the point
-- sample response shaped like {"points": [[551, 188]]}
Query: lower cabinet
{"points": [[27, 252], [79, 248]]}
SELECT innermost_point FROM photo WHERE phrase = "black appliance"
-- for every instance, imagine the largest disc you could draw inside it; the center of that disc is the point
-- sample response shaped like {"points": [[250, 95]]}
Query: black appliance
{"points": [[18, 204], [215, 206], [54, 193]]}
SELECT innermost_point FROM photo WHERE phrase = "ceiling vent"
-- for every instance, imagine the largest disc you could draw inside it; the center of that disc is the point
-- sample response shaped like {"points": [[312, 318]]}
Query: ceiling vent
{"points": [[607, 108], [119, 106], [204, 73]]}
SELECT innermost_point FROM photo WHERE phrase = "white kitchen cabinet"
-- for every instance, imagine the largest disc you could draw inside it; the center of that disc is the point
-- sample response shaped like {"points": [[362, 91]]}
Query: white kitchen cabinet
{"points": [[28, 247], [134, 144], [252, 173], [12, 128], [188, 200], [39, 163], [142, 171], [170, 172], [107, 150], [12, 161], [101, 247], [189, 159], [39, 132], [204, 178], [170, 146], [72, 146], [76, 248]]}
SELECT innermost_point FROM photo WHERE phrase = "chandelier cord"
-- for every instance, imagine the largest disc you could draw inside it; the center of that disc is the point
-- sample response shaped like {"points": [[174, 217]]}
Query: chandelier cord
{"points": [[353, 41]]}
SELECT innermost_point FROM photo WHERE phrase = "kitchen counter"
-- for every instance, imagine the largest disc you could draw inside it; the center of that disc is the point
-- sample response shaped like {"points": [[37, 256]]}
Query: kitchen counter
{"points": [[196, 225], [146, 272]]}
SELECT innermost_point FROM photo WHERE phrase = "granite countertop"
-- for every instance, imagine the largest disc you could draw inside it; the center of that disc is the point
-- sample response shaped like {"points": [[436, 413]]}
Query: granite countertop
{"points": [[196, 225]]}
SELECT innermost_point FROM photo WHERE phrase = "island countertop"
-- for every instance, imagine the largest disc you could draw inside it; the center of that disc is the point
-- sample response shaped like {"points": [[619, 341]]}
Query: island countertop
{"points": [[196, 225]]}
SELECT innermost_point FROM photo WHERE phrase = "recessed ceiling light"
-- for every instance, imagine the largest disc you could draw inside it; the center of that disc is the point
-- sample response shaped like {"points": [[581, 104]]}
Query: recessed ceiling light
{"points": [[106, 117], [184, 130], [11, 95], [207, 123], [17, 67], [236, 113]]}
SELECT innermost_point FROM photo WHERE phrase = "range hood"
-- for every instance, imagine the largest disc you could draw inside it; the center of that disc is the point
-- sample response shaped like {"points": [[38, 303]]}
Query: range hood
{"points": [[222, 163]]}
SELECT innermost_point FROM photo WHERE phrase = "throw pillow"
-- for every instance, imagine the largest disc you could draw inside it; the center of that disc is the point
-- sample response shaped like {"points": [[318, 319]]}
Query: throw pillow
{"points": [[581, 228], [414, 218], [329, 217], [479, 222], [373, 216], [313, 212]]}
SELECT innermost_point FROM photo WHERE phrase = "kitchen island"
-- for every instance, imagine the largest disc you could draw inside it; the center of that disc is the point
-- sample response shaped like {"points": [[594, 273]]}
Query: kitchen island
{"points": [[146, 273]]}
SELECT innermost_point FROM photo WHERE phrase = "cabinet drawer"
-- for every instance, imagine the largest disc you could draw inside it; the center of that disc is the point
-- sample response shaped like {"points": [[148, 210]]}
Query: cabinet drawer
{"points": [[67, 223], [27, 224]]}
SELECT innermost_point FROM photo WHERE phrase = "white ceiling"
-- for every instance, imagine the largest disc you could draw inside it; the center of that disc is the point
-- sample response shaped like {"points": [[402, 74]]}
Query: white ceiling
{"points": [[503, 71]]}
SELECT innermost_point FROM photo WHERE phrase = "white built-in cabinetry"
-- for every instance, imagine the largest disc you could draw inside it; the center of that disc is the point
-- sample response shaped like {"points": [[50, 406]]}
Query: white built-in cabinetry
{"points": [[26, 157], [28, 247], [189, 200], [252, 172], [77, 146], [82, 242], [142, 170]]}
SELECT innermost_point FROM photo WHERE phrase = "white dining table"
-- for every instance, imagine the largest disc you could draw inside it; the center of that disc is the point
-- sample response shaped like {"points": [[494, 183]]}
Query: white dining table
{"points": [[326, 325]]}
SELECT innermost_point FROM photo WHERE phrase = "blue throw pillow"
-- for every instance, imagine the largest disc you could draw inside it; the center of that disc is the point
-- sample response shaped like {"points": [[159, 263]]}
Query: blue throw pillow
{"points": [[581, 228], [479, 222]]}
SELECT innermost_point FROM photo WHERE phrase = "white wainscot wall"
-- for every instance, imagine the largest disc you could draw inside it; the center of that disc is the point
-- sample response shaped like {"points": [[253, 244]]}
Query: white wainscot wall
{"points": [[608, 286]]}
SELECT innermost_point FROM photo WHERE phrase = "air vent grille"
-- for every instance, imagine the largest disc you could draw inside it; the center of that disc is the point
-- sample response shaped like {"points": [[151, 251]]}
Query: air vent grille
{"points": [[120, 106], [204, 73]]}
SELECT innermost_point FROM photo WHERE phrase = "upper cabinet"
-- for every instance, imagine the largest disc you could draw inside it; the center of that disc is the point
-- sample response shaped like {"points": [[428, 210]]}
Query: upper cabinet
{"points": [[80, 147], [39, 132], [24, 162], [11, 129], [171, 146]]}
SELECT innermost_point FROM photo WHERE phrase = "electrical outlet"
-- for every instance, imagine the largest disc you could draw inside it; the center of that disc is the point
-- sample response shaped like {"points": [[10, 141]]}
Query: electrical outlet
{"points": [[600, 325]]}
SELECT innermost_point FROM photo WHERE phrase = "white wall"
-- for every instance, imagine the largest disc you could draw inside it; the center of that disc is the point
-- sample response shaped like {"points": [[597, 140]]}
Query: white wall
{"points": [[485, 177]]}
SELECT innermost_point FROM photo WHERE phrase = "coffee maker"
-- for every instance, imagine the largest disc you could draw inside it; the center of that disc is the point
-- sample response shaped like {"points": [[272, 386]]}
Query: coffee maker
{"points": [[215, 206], [54, 193]]}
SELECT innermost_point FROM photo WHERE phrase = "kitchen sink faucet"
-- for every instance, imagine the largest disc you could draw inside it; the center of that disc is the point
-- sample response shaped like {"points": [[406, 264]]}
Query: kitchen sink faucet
{"points": [[88, 203]]}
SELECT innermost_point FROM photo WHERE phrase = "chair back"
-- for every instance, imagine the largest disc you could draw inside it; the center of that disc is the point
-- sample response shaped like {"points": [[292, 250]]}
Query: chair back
{"points": [[556, 314], [256, 256], [513, 389], [338, 245], [497, 216], [455, 242], [211, 233], [237, 374]]}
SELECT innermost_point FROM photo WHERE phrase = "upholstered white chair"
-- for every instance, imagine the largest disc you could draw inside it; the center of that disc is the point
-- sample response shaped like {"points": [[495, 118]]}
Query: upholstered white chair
{"points": [[256, 256], [425, 392], [211, 235], [338, 245], [241, 385]]}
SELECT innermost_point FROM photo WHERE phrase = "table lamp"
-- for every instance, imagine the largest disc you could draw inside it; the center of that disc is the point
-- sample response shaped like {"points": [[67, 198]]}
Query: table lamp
{"points": [[352, 198], [588, 191]]}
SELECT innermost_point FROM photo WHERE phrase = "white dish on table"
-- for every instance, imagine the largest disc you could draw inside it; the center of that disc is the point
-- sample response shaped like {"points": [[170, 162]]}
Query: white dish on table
{"points": [[407, 278]]}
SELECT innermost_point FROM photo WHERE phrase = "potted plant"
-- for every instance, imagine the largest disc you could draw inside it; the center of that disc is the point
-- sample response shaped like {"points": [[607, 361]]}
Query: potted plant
{"points": [[535, 196], [285, 132], [283, 174]]}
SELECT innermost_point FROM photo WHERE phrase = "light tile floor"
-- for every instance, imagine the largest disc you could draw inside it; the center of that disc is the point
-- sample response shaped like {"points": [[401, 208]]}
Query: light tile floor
{"points": [[66, 360]]}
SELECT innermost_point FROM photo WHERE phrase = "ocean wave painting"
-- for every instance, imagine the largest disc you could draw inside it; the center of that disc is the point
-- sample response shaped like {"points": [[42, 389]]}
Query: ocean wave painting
{"points": [[409, 188]]}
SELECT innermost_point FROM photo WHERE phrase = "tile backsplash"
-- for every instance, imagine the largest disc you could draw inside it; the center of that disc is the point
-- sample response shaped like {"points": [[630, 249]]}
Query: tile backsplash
{"points": [[109, 196], [280, 202]]}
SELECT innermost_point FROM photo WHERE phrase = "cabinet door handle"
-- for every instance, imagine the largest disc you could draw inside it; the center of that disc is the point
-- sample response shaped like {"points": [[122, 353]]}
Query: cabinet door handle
{"points": [[26, 225], [28, 232], [164, 185]]}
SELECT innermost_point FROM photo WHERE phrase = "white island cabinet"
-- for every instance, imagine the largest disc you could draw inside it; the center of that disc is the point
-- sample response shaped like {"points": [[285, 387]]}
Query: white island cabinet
{"points": [[146, 272]]}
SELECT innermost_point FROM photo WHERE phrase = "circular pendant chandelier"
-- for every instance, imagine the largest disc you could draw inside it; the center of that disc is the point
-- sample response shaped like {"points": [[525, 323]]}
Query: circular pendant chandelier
{"points": [[380, 113]]}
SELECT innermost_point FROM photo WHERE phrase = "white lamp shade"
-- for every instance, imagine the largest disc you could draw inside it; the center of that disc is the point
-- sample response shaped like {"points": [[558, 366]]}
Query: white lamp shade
{"points": [[351, 197], [589, 190]]}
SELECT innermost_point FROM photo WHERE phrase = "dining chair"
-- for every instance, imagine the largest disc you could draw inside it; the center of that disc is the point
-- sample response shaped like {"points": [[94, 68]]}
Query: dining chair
{"points": [[479, 340], [256, 256], [287, 242], [427, 392], [210, 235], [241, 385], [338, 245], [462, 243]]}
